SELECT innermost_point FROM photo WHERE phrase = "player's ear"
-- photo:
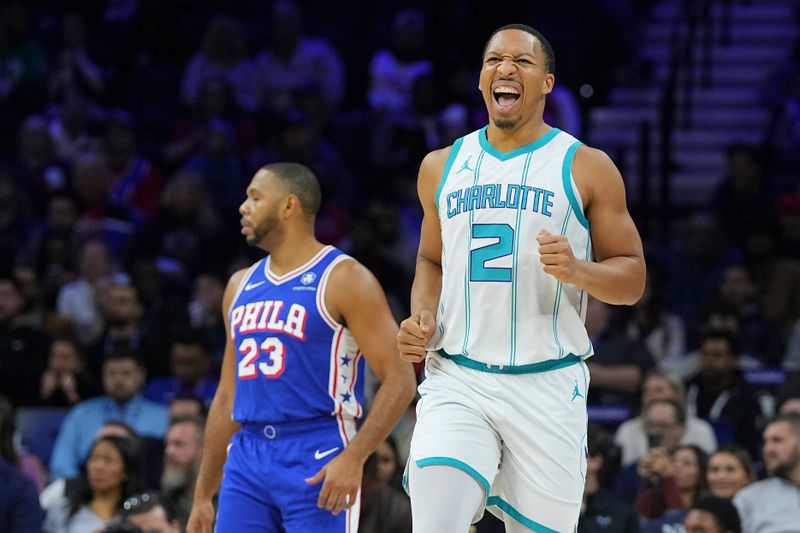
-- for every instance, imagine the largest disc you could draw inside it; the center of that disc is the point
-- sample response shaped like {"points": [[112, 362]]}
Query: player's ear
{"points": [[548, 84]]}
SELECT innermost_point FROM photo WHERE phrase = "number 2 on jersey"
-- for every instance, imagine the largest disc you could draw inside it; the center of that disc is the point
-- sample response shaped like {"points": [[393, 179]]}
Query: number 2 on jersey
{"points": [[249, 366], [478, 271]]}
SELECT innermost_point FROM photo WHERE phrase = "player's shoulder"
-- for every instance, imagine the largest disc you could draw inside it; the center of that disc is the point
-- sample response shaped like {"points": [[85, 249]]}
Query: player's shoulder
{"points": [[587, 155], [236, 278], [436, 159]]}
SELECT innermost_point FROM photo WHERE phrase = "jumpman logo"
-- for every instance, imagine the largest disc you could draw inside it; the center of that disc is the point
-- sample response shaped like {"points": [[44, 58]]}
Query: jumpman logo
{"points": [[576, 392], [466, 166]]}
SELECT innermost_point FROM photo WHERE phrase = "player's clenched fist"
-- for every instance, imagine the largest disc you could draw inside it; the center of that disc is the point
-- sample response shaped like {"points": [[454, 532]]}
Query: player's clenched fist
{"points": [[412, 339], [556, 255]]}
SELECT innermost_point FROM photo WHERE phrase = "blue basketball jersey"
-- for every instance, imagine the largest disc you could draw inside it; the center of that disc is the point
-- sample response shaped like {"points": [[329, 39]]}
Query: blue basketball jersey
{"points": [[294, 362]]}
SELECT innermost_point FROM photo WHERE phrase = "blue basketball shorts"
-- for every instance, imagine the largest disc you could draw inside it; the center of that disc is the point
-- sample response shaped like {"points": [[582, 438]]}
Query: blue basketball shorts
{"points": [[263, 484]]}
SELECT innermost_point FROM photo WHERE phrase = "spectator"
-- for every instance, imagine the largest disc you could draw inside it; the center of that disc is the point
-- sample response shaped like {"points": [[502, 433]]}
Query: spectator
{"points": [[19, 505], [713, 515], [719, 393], [107, 478], [75, 69], [602, 512], [671, 481], [222, 55], [15, 215], [40, 171], [190, 364], [123, 378], [66, 381], [729, 470], [76, 300], [631, 436], [619, 363], [144, 512], [22, 348], [770, 505], [204, 314], [69, 126], [384, 508], [182, 453], [393, 71], [187, 406], [294, 62]]}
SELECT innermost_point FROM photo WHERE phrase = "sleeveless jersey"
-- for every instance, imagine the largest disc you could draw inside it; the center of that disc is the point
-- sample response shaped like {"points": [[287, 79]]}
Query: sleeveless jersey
{"points": [[498, 307], [293, 360]]}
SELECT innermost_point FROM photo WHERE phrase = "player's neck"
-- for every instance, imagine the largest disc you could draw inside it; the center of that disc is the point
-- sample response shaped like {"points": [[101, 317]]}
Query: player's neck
{"points": [[293, 252], [506, 140]]}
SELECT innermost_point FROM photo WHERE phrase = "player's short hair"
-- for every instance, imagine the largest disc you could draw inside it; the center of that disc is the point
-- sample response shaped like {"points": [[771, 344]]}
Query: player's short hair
{"points": [[724, 512], [301, 182], [550, 56]]}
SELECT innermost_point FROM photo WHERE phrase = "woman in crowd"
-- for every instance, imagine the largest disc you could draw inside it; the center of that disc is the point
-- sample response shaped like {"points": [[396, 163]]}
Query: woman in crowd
{"points": [[729, 470]]}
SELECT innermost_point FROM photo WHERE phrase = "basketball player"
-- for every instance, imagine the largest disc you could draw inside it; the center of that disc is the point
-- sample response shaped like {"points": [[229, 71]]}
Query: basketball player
{"points": [[289, 396], [521, 222]]}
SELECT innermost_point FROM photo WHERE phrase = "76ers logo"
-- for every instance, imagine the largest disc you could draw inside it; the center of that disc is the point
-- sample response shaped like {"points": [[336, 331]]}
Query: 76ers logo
{"points": [[308, 278]]}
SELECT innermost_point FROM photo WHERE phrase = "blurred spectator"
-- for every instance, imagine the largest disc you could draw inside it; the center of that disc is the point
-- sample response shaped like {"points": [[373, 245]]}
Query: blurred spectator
{"points": [[189, 363], [19, 502], [713, 515], [758, 336], [293, 62], [15, 216], [220, 167], [216, 102], [223, 55], [135, 180], [720, 394], [671, 481], [186, 406], [36, 163], [66, 381], [632, 437], [602, 512], [182, 453], [777, 277], [23, 348], [68, 123], [186, 225], [791, 359], [123, 378], [743, 198], [74, 69], [730, 469], [122, 313], [771, 504], [384, 507], [107, 478], [205, 317], [393, 71], [694, 266], [144, 513], [650, 322], [619, 363], [788, 209], [23, 68], [561, 110]]}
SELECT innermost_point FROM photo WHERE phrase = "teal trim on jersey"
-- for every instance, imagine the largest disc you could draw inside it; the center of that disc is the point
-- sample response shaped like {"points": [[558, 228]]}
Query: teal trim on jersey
{"points": [[455, 463], [533, 368], [450, 159], [585, 258], [566, 178], [514, 261], [535, 145], [478, 164], [509, 509], [559, 291]]}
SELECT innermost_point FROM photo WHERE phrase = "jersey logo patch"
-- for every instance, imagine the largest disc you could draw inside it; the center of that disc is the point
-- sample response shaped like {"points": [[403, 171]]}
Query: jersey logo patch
{"points": [[253, 285], [321, 455], [576, 392], [466, 166], [308, 278]]}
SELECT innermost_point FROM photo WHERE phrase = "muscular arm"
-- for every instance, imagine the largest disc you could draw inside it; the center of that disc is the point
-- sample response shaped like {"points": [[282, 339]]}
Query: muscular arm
{"points": [[356, 299], [617, 275], [219, 428], [418, 328]]}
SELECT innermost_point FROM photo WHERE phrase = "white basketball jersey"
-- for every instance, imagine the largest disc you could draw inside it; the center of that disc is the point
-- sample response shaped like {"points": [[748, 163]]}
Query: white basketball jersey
{"points": [[498, 307]]}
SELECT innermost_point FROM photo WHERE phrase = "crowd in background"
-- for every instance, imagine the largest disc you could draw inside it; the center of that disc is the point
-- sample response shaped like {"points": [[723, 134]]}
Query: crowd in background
{"points": [[130, 129]]}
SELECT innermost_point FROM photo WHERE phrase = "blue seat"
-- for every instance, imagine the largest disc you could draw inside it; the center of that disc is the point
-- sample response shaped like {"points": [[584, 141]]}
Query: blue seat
{"points": [[38, 428]]}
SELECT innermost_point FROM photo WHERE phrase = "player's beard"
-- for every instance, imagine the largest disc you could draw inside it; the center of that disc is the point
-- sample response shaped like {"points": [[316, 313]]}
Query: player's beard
{"points": [[505, 123], [263, 229]]}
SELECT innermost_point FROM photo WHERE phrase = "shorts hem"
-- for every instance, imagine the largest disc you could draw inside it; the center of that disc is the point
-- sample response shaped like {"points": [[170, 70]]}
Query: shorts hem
{"points": [[509, 510], [455, 463]]}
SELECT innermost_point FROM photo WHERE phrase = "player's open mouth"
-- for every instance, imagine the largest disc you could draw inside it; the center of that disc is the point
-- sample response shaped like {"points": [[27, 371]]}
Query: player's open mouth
{"points": [[506, 96]]}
